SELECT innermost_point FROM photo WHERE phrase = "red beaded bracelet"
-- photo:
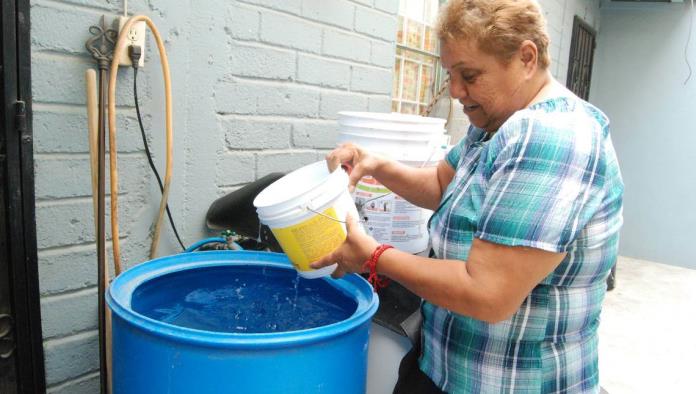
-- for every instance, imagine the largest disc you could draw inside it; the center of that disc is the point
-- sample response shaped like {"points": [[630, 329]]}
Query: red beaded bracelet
{"points": [[371, 266]]}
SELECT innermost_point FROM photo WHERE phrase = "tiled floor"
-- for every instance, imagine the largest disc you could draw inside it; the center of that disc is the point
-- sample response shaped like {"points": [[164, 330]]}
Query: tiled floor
{"points": [[647, 336]]}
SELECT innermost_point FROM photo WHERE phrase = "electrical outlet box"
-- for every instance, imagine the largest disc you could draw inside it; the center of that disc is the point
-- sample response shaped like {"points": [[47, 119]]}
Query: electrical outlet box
{"points": [[136, 36]]}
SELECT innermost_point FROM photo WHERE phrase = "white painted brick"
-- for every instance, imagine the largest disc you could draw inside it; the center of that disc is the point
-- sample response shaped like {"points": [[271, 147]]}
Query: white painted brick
{"points": [[375, 24], [553, 11], [236, 97], [87, 384], [562, 74], [234, 168], [283, 162], [255, 134], [64, 223], [383, 54], [315, 134], [64, 130], [390, 6], [379, 104], [346, 46], [287, 31], [288, 99], [292, 6], [555, 35], [244, 22], [319, 71], [371, 80], [137, 250], [60, 177], [262, 62], [332, 103], [67, 270], [61, 29], [336, 12], [101, 6], [68, 314], [70, 357], [61, 79]]}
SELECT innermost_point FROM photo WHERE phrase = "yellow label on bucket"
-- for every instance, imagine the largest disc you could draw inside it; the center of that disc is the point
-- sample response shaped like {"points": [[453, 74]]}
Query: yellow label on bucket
{"points": [[310, 240]]}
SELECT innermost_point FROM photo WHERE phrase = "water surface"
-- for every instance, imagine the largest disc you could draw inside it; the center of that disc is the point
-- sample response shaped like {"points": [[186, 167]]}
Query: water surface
{"points": [[242, 299]]}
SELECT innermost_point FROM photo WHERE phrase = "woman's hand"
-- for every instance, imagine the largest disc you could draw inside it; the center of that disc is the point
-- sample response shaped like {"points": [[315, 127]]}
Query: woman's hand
{"points": [[352, 254], [358, 161]]}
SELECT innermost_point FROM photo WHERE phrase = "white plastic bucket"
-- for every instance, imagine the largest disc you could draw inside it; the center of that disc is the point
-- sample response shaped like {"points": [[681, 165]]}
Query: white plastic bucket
{"points": [[413, 140], [306, 211], [401, 137]]}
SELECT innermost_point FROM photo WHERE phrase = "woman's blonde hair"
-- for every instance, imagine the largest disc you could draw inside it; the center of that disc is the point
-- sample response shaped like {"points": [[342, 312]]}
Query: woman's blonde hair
{"points": [[498, 26]]}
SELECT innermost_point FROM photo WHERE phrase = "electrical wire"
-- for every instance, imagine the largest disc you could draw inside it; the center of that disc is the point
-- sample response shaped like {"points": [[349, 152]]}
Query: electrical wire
{"points": [[149, 155], [688, 40]]}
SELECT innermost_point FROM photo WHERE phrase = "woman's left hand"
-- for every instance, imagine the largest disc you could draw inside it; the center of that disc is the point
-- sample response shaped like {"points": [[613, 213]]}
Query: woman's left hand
{"points": [[352, 254]]}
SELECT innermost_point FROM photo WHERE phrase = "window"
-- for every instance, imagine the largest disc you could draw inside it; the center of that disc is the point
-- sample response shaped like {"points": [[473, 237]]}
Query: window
{"points": [[417, 69]]}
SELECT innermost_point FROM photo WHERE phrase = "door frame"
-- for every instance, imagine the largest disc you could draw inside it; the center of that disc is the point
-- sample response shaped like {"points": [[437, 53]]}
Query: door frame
{"points": [[18, 247]]}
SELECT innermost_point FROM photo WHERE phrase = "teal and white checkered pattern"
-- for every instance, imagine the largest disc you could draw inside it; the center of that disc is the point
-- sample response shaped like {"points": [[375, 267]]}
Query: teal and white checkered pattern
{"points": [[547, 179]]}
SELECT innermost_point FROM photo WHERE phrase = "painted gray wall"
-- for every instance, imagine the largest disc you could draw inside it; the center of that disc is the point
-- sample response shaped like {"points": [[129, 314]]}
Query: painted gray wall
{"points": [[257, 85], [638, 81]]}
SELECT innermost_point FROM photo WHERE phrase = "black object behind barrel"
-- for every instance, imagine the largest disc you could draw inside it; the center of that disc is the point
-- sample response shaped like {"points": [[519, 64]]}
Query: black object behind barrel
{"points": [[236, 211]]}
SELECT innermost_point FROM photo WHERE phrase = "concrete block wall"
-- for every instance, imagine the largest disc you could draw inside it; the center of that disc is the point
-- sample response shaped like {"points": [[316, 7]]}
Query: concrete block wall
{"points": [[559, 16], [257, 85]]}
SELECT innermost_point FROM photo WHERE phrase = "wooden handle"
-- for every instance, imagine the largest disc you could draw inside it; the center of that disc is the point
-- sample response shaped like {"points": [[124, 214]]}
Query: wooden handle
{"points": [[92, 130]]}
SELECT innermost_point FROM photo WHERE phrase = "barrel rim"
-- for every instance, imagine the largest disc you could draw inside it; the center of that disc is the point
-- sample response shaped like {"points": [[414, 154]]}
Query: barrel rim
{"points": [[125, 284]]}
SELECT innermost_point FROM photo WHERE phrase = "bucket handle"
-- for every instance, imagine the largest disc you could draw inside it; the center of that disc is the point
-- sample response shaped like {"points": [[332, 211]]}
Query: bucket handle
{"points": [[360, 220], [306, 207]]}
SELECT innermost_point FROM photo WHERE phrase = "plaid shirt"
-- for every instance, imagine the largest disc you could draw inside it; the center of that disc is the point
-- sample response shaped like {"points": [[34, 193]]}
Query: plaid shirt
{"points": [[547, 179]]}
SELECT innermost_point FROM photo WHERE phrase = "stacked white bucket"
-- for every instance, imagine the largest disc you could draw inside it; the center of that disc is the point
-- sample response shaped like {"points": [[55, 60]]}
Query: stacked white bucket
{"points": [[413, 140]]}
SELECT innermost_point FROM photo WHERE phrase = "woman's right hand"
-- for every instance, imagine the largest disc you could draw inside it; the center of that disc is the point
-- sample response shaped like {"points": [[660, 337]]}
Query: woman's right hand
{"points": [[357, 161]]}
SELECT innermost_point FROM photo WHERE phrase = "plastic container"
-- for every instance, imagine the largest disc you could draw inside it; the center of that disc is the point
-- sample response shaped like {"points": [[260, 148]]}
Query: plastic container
{"points": [[413, 140], [152, 356], [306, 211], [408, 138]]}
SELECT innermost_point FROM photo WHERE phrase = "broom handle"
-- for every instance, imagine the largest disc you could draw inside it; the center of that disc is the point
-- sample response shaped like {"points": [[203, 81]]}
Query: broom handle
{"points": [[92, 124]]}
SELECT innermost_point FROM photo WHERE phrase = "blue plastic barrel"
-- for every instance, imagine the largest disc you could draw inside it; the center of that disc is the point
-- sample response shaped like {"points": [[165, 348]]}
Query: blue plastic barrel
{"points": [[154, 356]]}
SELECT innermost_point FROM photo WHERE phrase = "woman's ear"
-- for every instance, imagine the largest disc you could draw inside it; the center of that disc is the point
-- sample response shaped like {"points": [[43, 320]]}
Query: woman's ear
{"points": [[528, 55]]}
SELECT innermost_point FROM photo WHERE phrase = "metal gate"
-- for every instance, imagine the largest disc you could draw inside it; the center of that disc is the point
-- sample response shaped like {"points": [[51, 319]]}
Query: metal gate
{"points": [[582, 48], [21, 348]]}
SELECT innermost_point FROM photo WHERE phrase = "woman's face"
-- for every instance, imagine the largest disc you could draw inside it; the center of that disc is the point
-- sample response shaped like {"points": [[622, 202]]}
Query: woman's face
{"points": [[488, 89]]}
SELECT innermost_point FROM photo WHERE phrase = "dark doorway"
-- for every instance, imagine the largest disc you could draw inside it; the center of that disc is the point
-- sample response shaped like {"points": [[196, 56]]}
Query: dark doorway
{"points": [[582, 46], [21, 347]]}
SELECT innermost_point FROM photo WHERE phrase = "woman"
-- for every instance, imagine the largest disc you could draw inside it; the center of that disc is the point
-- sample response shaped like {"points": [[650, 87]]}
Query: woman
{"points": [[527, 214]]}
